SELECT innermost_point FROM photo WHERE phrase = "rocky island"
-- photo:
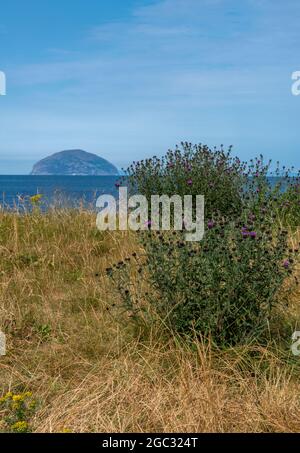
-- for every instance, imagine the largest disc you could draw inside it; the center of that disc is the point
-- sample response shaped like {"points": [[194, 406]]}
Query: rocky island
{"points": [[74, 162]]}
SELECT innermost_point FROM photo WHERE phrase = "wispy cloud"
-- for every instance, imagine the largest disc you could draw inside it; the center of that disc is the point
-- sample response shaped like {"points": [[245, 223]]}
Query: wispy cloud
{"points": [[175, 69], [181, 34]]}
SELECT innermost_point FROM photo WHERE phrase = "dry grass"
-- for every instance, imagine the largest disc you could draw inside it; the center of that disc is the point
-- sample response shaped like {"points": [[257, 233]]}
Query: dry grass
{"points": [[91, 373]]}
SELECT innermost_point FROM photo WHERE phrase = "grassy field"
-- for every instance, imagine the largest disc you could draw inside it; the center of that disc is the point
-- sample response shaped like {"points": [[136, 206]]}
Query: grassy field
{"points": [[90, 369]]}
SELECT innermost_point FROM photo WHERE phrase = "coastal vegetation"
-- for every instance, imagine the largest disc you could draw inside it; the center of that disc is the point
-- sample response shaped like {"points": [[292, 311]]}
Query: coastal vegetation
{"points": [[143, 332]]}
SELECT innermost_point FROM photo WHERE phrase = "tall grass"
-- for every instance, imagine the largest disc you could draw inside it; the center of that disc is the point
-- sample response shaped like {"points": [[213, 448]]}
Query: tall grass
{"points": [[90, 368]]}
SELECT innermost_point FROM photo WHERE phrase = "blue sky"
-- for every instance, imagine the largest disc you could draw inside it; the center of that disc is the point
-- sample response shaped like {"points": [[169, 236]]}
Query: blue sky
{"points": [[131, 78]]}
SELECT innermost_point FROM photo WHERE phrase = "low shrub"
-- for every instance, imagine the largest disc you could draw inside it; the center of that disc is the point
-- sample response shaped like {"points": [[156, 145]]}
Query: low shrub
{"points": [[229, 185], [225, 287], [190, 170], [17, 411]]}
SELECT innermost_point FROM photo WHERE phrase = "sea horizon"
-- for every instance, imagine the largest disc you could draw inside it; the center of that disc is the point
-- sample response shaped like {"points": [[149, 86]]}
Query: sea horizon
{"points": [[61, 190]]}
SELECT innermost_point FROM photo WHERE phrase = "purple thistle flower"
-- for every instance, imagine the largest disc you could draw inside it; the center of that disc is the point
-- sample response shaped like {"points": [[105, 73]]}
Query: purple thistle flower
{"points": [[210, 224], [253, 234], [286, 264], [189, 182]]}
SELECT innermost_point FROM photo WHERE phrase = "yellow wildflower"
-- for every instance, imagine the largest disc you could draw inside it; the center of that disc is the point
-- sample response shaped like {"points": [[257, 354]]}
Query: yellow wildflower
{"points": [[20, 427], [36, 198], [17, 398], [32, 405], [15, 406], [6, 397]]}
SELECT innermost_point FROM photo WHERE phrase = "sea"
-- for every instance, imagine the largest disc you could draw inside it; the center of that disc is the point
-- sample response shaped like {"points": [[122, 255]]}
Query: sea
{"points": [[67, 191], [60, 191]]}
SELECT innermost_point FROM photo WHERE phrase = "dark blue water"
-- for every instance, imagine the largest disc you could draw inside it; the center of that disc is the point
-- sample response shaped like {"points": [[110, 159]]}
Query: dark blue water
{"points": [[64, 190], [15, 191]]}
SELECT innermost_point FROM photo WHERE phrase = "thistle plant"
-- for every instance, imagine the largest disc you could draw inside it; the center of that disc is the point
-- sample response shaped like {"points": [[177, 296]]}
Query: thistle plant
{"points": [[228, 184], [227, 286], [189, 170]]}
